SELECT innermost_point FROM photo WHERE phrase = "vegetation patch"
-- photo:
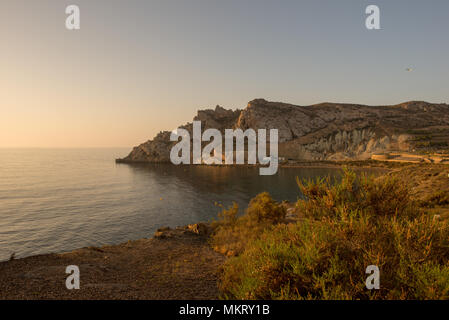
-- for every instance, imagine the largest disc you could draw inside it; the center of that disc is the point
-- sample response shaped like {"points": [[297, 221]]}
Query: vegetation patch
{"points": [[232, 233], [341, 229]]}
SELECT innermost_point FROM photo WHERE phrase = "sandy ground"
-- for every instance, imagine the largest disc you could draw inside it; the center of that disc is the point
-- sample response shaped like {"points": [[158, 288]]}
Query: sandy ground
{"points": [[181, 265]]}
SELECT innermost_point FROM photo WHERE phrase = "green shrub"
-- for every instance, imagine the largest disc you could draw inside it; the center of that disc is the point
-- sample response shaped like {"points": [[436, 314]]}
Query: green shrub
{"points": [[344, 228], [232, 233], [263, 209], [384, 196]]}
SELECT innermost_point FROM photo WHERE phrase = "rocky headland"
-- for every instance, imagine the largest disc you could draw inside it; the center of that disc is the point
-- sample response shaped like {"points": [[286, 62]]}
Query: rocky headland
{"points": [[325, 131]]}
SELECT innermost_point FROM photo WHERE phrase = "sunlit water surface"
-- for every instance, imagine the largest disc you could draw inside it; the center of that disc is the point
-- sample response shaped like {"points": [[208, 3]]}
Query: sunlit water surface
{"points": [[55, 200]]}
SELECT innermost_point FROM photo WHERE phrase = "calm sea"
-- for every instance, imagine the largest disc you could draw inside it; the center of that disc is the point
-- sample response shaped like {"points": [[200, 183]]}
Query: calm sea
{"points": [[56, 200]]}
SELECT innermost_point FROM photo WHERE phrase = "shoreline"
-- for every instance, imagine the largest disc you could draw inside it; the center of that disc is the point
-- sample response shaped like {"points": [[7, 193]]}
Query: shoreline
{"points": [[173, 264], [305, 164], [292, 164], [356, 165]]}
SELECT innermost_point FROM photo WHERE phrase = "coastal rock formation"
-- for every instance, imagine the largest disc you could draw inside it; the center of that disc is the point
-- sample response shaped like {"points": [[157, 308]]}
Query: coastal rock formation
{"points": [[326, 131], [158, 149]]}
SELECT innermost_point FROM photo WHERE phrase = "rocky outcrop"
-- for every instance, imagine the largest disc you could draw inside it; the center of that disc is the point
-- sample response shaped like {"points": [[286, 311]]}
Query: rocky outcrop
{"points": [[158, 149], [326, 131], [358, 144]]}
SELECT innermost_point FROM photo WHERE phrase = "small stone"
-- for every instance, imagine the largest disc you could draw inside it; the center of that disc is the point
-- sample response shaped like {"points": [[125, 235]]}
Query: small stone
{"points": [[160, 235], [199, 228]]}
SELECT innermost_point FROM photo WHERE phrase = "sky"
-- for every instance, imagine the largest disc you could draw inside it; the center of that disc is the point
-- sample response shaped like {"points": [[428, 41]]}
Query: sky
{"points": [[137, 67]]}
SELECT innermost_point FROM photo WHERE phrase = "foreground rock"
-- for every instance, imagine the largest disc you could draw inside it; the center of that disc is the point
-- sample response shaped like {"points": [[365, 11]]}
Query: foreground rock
{"points": [[178, 265], [326, 131]]}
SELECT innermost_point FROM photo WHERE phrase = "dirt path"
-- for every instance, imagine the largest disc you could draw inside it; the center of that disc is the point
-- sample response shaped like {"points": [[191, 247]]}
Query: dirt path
{"points": [[178, 265]]}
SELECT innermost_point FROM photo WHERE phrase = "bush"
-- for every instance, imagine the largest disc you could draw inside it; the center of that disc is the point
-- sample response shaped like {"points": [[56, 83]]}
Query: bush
{"points": [[232, 233], [384, 196], [343, 229], [263, 209]]}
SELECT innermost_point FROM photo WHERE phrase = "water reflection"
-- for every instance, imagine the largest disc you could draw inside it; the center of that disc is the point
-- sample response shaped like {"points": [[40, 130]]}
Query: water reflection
{"points": [[62, 199], [228, 182]]}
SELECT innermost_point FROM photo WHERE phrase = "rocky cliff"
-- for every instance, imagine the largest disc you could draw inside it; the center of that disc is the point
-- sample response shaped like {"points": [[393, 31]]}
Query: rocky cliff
{"points": [[326, 131]]}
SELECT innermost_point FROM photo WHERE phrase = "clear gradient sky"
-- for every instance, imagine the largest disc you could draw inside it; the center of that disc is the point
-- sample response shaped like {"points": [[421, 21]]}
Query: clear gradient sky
{"points": [[140, 66]]}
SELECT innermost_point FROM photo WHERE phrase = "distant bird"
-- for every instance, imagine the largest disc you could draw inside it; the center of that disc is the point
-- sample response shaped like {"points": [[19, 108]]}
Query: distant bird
{"points": [[409, 69]]}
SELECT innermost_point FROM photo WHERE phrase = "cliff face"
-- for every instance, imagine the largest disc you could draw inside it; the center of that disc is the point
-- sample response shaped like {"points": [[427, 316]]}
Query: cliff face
{"points": [[158, 149], [326, 131]]}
